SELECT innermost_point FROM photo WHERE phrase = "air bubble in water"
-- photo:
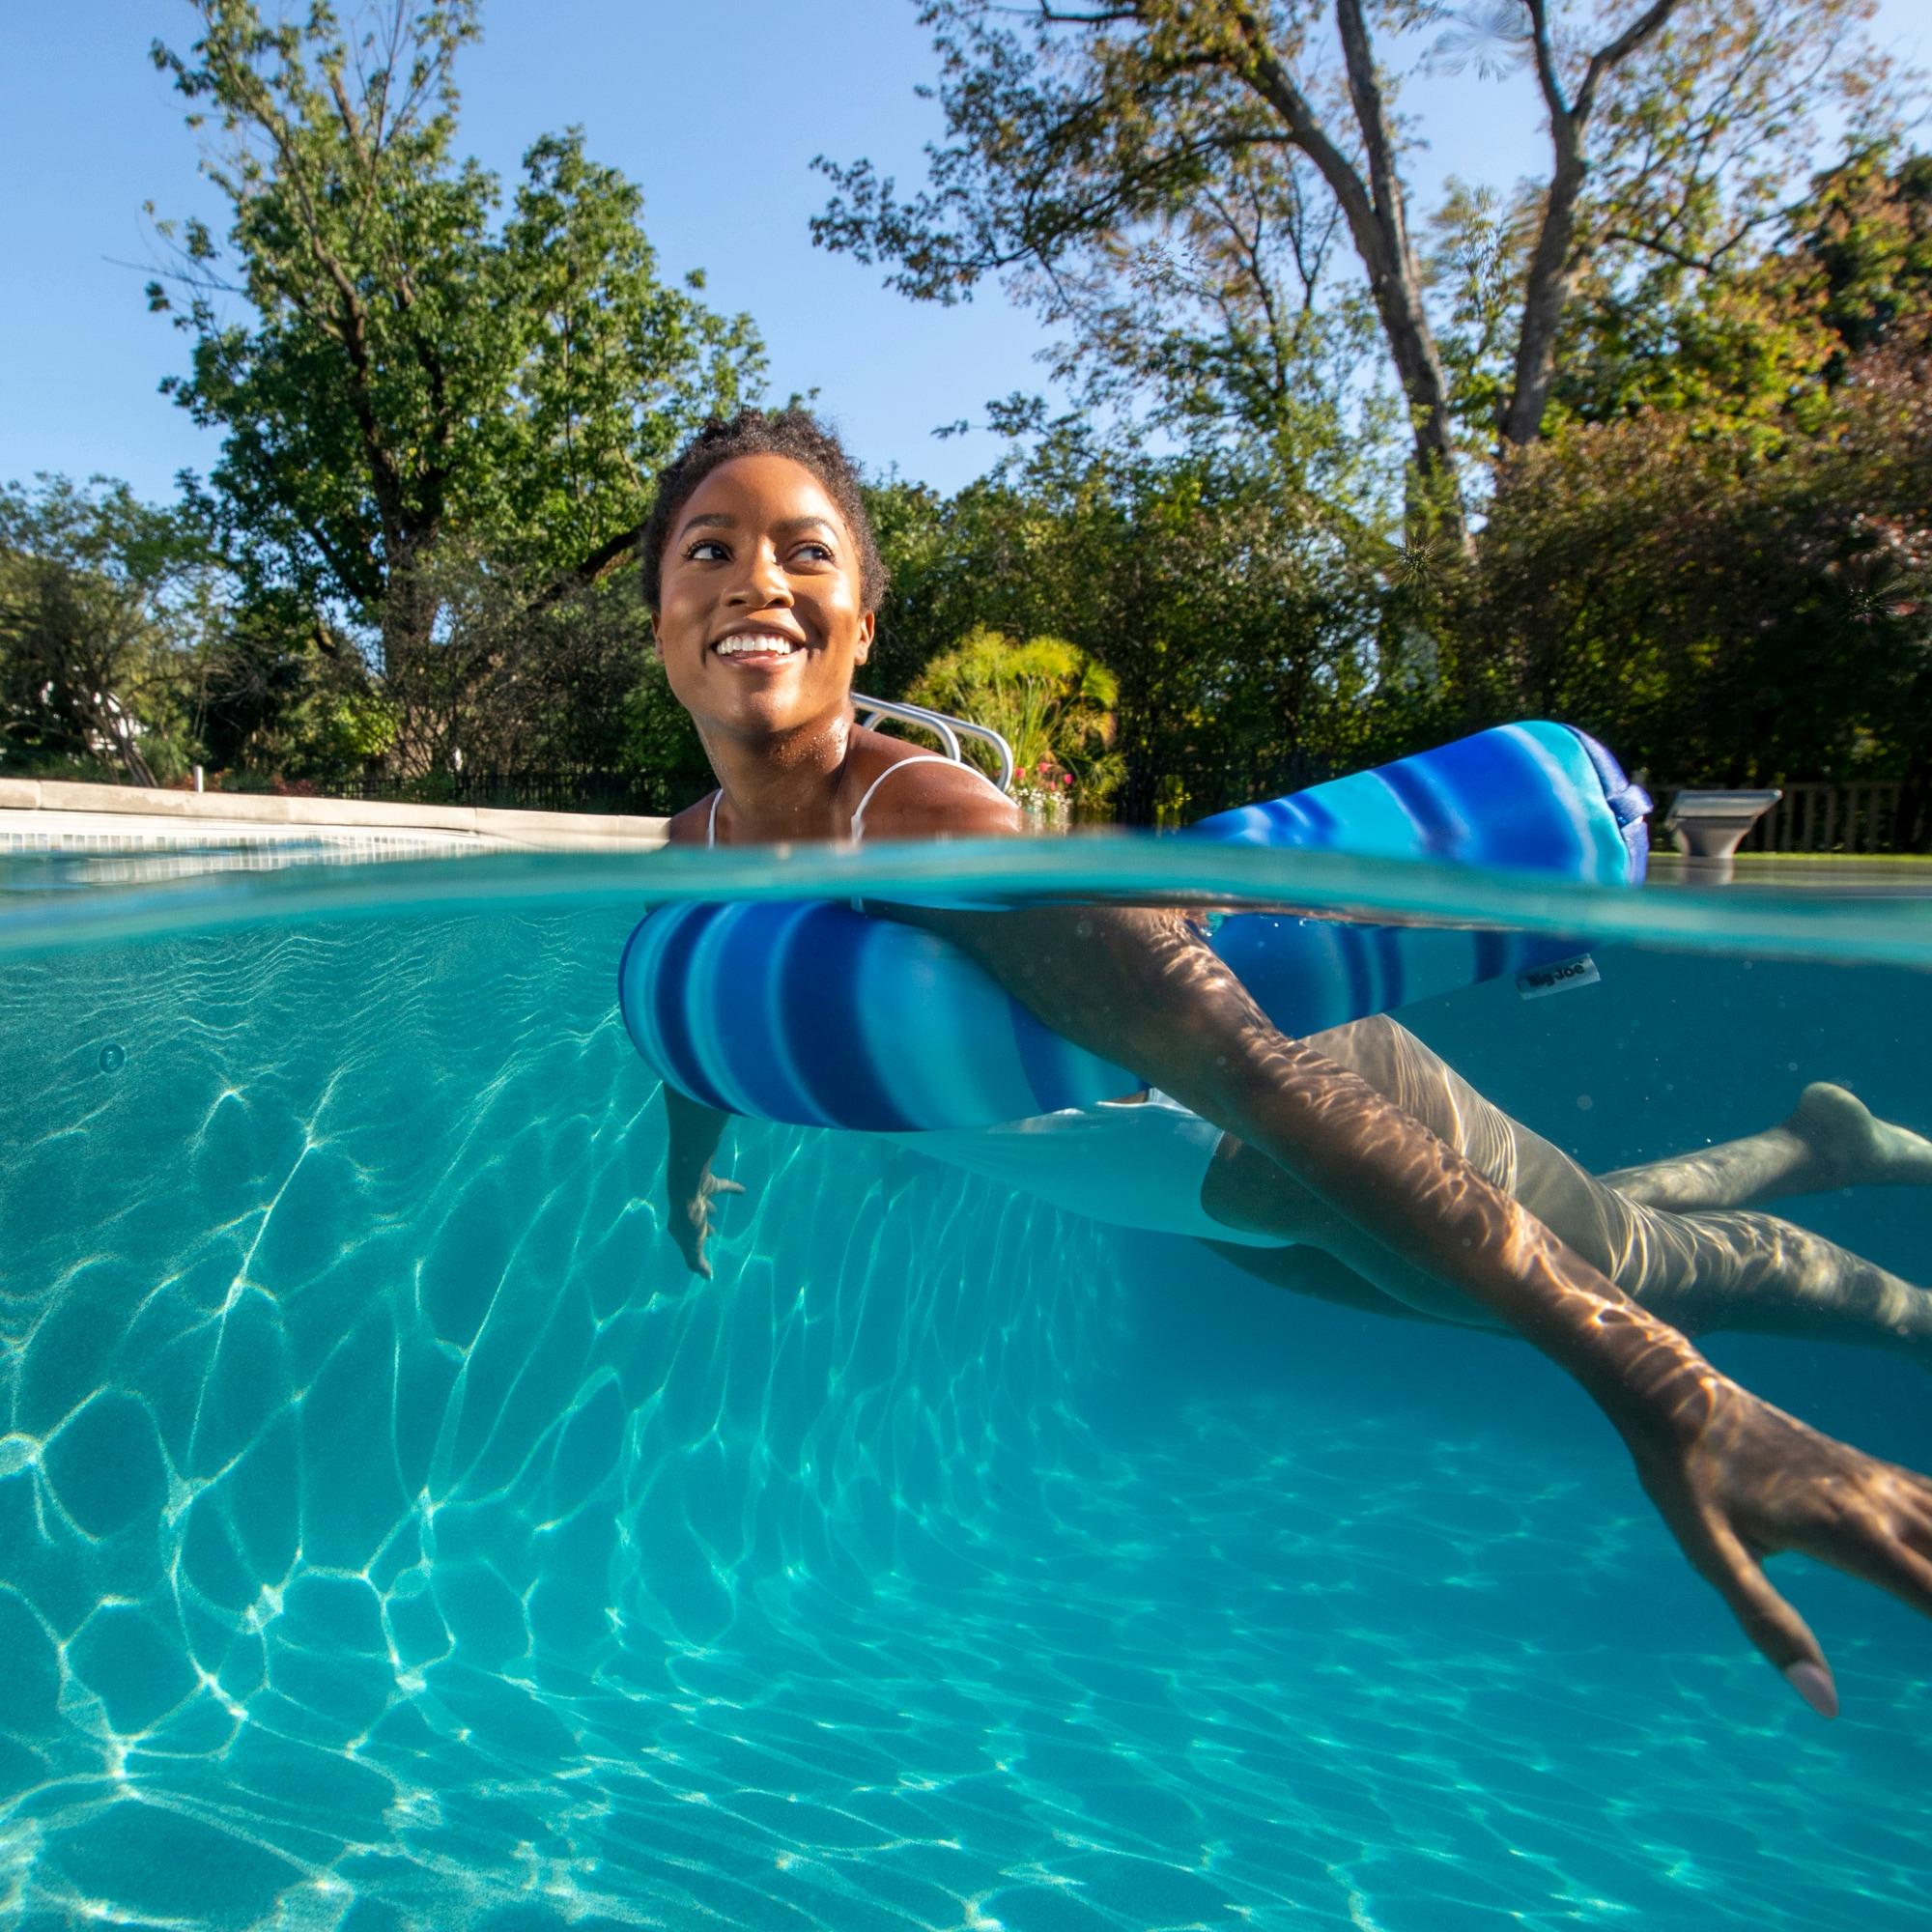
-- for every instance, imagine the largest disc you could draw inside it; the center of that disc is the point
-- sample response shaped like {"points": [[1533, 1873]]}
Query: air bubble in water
{"points": [[113, 1057]]}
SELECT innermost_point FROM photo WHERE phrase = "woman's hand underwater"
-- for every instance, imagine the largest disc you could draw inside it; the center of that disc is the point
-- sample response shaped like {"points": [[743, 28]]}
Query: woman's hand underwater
{"points": [[690, 1220], [1737, 1481], [694, 1132]]}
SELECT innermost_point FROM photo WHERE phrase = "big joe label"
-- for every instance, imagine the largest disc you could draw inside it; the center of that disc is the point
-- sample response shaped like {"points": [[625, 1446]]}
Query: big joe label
{"points": [[1558, 977]]}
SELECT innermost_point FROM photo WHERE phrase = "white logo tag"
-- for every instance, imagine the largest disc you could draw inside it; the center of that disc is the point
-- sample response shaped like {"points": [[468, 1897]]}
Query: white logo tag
{"points": [[1558, 977]]}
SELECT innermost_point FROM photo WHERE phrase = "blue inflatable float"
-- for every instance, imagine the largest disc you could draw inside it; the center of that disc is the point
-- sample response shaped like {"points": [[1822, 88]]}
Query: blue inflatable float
{"points": [[816, 1015]]}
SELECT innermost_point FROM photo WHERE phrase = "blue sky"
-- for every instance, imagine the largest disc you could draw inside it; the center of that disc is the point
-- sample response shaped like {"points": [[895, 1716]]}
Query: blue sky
{"points": [[716, 111]]}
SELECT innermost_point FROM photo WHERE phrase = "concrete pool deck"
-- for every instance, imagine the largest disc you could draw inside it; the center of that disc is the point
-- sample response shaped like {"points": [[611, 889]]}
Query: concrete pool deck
{"points": [[58, 815], [1829, 874]]}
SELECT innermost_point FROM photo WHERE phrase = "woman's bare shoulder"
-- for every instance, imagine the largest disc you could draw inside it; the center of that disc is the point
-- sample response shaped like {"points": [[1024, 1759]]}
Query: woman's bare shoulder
{"points": [[933, 797], [692, 826]]}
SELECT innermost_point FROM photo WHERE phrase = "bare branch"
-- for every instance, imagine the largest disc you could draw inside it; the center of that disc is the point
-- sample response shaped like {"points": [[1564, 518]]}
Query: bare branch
{"points": [[1644, 27]]}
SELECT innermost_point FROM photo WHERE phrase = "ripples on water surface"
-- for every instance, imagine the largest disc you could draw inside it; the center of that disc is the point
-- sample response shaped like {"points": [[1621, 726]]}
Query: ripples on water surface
{"points": [[393, 1535]]}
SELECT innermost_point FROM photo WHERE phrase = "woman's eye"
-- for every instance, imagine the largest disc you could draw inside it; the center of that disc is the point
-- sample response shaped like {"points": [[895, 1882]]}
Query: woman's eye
{"points": [[697, 552], [815, 553]]}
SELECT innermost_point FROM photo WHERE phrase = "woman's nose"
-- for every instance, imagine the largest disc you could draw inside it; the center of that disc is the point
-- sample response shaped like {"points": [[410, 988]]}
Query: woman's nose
{"points": [[760, 582]]}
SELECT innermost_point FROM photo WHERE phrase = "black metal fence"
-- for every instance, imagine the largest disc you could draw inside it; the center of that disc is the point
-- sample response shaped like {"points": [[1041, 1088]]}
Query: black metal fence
{"points": [[1877, 816], [1198, 787], [650, 795]]}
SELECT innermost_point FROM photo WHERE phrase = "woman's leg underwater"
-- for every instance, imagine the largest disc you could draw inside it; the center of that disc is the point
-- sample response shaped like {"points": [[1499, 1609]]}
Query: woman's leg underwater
{"points": [[1832, 1139], [1698, 1272], [1302, 1268]]}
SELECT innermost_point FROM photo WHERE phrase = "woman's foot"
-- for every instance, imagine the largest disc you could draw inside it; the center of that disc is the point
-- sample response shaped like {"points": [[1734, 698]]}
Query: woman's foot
{"points": [[1832, 1139], [1852, 1146]]}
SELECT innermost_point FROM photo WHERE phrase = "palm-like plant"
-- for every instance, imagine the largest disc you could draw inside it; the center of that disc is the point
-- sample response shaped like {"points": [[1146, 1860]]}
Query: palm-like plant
{"points": [[1052, 702]]}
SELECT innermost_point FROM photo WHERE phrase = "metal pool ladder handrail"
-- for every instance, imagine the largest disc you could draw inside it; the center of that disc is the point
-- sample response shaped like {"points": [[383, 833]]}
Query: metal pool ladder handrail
{"points": [[948, 730]]}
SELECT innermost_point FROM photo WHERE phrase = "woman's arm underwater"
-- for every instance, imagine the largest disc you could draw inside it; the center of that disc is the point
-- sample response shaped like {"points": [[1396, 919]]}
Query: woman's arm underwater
{"points": [[692, 1130], [695, 1132], [1735, 1479]]}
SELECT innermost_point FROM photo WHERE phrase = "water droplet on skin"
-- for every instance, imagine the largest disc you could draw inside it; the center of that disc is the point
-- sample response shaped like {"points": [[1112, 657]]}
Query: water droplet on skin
{"points": [[113, 1057]]}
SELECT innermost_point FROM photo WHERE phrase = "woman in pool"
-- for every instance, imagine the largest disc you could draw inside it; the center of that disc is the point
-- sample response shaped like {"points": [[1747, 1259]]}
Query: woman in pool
{"points": [[764, 581]]}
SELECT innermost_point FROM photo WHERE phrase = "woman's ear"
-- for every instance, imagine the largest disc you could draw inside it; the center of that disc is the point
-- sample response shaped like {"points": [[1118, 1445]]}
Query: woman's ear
{"points": [[657, 643], [869, 626]]}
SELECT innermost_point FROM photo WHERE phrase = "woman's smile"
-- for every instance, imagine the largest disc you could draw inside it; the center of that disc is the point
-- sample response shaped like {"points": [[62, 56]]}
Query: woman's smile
{"points": [[759, 647]]}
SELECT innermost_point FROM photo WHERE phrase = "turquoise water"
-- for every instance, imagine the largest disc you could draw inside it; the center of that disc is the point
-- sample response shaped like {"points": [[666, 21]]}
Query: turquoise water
{"points": [[393, 1534]]}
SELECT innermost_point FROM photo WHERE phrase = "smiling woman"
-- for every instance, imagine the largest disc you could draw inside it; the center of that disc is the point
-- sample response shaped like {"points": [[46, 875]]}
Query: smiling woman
{"points": [[765, 586], [765, 580]]}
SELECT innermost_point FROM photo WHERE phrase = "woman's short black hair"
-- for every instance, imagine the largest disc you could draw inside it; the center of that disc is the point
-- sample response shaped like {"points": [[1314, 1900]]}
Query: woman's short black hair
{"points": [[794, 433]]}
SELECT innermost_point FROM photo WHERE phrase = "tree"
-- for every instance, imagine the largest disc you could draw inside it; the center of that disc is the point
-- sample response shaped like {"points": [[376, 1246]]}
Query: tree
{"points": [[1239, 631], [1850, 273], [1719, 609], [129, 649], [931, 597], [282, 695], [1203, 128], [102, 601], [402, 370]]}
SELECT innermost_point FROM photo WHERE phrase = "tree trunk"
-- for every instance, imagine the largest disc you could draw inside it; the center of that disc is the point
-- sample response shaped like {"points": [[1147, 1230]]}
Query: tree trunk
{"points": [[1552, 268], [409, 616], [1552, 275], [1378, 225]]}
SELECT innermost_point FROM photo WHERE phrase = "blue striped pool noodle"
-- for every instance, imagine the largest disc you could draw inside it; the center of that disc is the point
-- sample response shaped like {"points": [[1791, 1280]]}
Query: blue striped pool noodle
{"points": [[812, 1013]]}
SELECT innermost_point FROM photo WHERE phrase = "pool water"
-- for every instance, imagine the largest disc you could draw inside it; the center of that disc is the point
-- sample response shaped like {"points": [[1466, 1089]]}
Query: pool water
{"points": [[393, 1534]]}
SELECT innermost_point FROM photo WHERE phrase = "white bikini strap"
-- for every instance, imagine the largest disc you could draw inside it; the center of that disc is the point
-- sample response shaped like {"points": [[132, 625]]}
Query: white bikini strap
{"points": [[859, 814], [899, 765]]}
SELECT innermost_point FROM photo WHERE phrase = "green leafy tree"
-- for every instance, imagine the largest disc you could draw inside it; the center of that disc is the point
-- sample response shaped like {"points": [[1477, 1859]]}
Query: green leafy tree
{"points": [[388, 366], [284, 696], [1241, 631], [932, 595], [104, 602], [660, 744], [1154, 176], [1720, 610], [1851, 273], [533, 687]]}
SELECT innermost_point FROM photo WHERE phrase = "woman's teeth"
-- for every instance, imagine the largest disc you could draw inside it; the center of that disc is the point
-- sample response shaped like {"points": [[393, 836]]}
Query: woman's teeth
{"points": [[755, 643]]}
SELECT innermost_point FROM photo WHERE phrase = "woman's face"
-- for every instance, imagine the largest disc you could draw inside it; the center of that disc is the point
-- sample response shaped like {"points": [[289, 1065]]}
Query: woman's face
{"points": [[761, 620]]}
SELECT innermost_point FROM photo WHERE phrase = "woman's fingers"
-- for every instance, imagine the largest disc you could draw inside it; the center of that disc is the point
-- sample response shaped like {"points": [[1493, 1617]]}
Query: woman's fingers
{"points": [[690, 1245], [1884, 1551], [1916, 1531], [697, 1261], [1867, 1517], [690, 1223], [697, 1215], [1915, 1511], [1909, 1578], [691, 1230], [1813, 1683], [1767, 1619], [1777, 1485]]}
